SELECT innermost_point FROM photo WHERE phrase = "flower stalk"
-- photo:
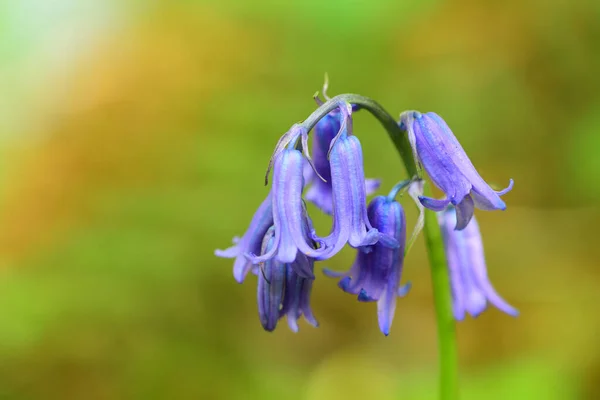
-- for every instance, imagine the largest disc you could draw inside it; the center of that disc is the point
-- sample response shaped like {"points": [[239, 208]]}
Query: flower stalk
{"points": [[442, 298], [448, 354]]}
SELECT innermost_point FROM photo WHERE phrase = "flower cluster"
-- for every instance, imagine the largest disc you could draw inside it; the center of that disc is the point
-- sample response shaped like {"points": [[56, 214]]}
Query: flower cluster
{"points": [[281, 245]]}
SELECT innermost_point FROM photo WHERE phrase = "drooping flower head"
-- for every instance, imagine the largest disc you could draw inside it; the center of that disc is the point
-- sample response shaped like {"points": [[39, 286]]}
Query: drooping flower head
{"points": [[375, 274], [320, 191], [444, 159], [251, 241], [289, 213], [350, 222], [284, 288], [471, 288]]}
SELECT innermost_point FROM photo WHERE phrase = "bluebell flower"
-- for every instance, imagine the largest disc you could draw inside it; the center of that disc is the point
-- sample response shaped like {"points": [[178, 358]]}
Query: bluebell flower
{"points": [[282, 290], [448, 166], [375, 274], [293, 230], [251, 241], [471, 288], [320, 191], [296, 299], [350, 222]]}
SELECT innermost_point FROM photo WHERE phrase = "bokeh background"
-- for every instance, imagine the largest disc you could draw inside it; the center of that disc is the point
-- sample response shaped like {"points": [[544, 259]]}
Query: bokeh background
{"points": [[134, 136]]}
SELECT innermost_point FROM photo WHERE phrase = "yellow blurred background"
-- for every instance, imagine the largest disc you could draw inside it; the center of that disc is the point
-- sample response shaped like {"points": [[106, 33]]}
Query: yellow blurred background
{"points": [[134, 138]]}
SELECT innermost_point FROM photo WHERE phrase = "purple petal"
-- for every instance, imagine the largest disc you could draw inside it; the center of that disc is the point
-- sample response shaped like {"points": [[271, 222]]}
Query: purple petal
{"points": [[241, 267], [288, 208], [358, 276], [303, 266], [464, 213], [404, 289], [487, 199], [388, 241], [434, 204], [511, 183], [333, 274], [447, 164], [359, 235], [297, 130], [442, 156], [447, 222], [271, 283], [291, 301], [471, 289], [479, 270], [371, 185], [321, 195], [251, 241], [386, 306], [305, 303], [342, 213], [230, 252], [375, 275], [350, 223]]}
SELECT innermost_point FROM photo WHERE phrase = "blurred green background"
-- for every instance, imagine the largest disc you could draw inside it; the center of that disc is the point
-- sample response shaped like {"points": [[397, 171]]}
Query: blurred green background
{"points": [[133, 141]]}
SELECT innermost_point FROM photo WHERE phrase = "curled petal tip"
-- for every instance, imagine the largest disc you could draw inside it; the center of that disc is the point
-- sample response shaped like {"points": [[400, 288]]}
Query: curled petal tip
{"points": [[434, 204], [404, 289], [506, 308], [372, 237], [218, 253], [228, 253], [344, 283], [333, 274], [511, 184]]}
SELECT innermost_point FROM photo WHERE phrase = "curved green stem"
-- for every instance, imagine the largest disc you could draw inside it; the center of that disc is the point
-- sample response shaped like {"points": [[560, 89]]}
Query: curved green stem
{"points": [[442, 298], [433, 238], [398, 136]]}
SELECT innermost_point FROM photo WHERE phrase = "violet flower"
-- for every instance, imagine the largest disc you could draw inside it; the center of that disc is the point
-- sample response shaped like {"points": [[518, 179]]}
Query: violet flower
{"points": [[293, 230], [471, 288], [350, 222], [444, 159], [375, 274], [281, 290], [251, 241], [320, 191]]}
